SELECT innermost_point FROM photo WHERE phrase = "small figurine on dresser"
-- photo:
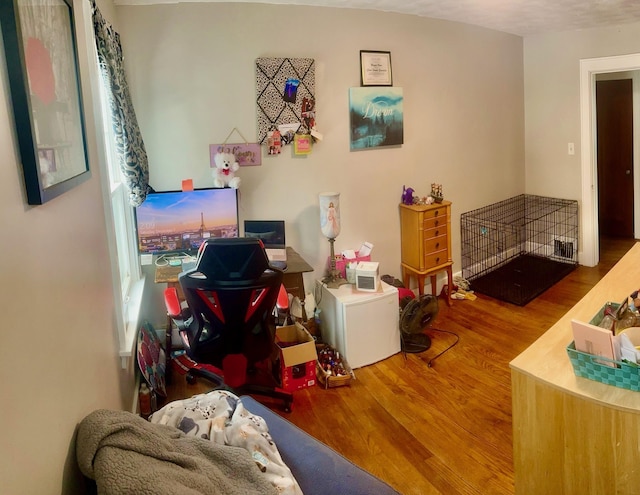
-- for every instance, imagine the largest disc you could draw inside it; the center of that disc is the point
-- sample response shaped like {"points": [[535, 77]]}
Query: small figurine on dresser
{"points": [[436, 192], [407, 195]]}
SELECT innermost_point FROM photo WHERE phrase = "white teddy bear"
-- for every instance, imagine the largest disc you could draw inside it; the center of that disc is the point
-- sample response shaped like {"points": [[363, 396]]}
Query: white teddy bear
{"points": [[224, 173]]}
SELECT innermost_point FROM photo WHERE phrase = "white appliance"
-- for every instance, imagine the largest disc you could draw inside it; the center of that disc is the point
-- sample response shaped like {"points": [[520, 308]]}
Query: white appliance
{"points": [[363, 326], [367, 276]]}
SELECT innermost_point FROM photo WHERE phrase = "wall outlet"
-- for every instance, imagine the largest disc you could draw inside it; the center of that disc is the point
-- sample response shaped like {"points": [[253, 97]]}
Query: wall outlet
{"points": [[571, 149]]}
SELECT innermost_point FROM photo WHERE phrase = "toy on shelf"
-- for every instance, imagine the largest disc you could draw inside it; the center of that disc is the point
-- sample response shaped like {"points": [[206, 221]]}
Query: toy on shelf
{"points": [[407, 195], [224, 173]]}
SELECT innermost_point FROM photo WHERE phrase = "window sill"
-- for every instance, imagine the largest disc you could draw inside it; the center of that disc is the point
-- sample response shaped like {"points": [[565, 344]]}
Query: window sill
{"points": [[132, 322]]}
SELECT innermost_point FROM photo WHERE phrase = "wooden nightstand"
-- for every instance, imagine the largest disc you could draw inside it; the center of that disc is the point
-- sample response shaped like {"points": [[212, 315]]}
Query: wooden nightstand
{"points": [[426, 244]]}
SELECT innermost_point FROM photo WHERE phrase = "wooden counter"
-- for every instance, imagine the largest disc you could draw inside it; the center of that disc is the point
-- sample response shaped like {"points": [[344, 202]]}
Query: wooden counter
{"points": [[573, 435]]}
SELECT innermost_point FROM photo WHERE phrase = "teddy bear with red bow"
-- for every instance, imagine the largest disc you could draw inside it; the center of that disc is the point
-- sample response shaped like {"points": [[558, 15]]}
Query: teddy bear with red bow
{"points": [[224, 173]]}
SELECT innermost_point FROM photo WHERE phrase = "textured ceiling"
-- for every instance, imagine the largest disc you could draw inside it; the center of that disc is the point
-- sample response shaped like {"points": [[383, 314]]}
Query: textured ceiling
{"points": [[521, 17]]}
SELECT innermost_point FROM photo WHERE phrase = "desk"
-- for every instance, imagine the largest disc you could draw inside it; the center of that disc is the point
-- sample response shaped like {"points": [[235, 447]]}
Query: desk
{"points": [[572, 435], [292, 281]]}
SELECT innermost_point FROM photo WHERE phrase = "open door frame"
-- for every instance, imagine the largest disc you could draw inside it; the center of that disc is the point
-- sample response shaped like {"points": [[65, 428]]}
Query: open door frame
{"points": [[588, 70]]}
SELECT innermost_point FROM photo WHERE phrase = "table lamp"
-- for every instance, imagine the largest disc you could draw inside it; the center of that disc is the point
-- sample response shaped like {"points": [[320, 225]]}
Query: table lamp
{"points": [[330, 225]]}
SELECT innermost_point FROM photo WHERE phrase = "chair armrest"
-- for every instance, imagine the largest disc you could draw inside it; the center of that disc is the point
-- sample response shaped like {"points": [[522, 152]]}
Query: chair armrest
{"points": [[172, 302]]}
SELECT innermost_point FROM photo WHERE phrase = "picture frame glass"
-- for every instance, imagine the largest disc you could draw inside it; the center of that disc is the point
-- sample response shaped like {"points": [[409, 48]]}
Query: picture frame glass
{"points": [[40, 50], [375, 68]]}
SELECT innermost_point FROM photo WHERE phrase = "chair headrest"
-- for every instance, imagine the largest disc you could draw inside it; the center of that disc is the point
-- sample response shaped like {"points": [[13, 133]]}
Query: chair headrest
{"points": [[232, 259]]}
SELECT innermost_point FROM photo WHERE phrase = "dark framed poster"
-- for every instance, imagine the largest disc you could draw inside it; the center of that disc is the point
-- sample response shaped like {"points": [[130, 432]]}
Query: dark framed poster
{"points": [[42, 67]]}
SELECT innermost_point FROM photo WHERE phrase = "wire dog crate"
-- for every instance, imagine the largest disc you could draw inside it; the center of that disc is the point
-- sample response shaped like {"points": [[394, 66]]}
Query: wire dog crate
{"points": [[516, 249]]}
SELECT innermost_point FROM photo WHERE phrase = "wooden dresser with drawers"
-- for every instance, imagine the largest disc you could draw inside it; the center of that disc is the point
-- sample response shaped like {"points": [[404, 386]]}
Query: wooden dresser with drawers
{"points": [[426, 244]]}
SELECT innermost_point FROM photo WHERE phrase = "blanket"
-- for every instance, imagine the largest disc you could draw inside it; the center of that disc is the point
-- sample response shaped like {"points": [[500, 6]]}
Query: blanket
{"points": [[220, 417], [125, 454]]}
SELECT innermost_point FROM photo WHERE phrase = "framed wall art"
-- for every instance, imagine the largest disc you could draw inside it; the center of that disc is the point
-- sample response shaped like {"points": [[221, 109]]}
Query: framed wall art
{"points": [[42, 67], [376, 117], [375, 68]]}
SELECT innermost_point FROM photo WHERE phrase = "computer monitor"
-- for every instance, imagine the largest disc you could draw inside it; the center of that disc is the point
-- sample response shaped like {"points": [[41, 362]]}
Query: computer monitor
{"points": [[173, 222], [270, 232]]}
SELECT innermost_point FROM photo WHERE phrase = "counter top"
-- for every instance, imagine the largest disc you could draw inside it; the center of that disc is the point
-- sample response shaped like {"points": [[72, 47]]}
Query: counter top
{"points": [[546, 360]]}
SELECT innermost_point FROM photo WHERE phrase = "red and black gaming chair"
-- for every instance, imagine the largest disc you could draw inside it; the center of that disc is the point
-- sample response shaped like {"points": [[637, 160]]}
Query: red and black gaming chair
{"points": [[229, 322]]}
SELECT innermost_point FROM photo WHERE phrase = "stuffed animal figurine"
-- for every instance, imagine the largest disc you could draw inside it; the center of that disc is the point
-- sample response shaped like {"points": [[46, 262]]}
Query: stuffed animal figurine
{"points": [[407, 195], [224, 173]]}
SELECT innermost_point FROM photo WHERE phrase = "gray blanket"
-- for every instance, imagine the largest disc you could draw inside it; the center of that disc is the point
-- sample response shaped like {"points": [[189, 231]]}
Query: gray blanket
{"points": [[125, 454]]}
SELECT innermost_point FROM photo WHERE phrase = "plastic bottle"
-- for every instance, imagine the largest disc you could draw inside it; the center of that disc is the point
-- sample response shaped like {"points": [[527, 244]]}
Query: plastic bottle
{"points": [[144, 399]]}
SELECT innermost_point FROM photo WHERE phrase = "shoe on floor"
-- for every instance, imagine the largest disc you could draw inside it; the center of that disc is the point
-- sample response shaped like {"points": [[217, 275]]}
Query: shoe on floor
{"points": [[461, 282]]}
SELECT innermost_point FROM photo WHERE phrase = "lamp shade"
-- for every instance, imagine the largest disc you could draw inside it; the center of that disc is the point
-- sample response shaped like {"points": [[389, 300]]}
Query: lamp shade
{"points": [[330, 214]]}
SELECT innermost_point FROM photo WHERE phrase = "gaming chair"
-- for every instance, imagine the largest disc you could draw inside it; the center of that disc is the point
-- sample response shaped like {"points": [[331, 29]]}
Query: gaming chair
{"points": [[229, 321]]}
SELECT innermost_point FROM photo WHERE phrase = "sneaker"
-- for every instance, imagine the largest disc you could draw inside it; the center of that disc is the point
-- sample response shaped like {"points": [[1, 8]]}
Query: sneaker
{"points": [[461, 282], [464, 294]]}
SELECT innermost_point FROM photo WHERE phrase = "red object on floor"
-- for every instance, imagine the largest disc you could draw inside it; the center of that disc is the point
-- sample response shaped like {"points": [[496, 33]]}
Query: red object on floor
{"points": [[402, 293]]}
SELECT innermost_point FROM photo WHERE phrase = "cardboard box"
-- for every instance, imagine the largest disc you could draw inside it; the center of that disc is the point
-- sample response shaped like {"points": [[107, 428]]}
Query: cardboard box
{"points": [[296, 360]]}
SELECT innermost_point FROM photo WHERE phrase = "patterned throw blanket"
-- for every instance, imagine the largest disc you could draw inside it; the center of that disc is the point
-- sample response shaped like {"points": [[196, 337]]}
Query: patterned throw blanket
{"points": [[125, 454], [220, 418]]}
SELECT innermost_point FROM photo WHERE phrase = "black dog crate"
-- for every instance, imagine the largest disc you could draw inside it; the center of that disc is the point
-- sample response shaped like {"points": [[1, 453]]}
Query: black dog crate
{"points": [[516, 249]]}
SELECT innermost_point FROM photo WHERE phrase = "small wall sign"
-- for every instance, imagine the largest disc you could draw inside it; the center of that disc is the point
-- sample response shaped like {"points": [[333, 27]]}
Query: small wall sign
{"points": [[246, 154]]}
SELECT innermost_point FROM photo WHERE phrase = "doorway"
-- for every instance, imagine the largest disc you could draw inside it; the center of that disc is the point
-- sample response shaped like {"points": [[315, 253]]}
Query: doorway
{"points": [[589, 69], [614, 138]]}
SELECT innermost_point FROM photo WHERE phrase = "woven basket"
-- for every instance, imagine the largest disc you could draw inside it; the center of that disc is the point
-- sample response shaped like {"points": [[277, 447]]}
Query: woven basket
{"points": [[623, 375]]}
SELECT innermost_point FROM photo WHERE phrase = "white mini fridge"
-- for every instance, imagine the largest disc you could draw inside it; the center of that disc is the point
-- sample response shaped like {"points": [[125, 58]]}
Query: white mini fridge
{"points": [[363, 326]]}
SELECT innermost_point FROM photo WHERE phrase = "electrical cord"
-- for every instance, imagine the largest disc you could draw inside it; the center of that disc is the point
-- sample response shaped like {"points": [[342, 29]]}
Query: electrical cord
{"points": [[429, 363], [161, 261], [442, 352], [165, 259]]}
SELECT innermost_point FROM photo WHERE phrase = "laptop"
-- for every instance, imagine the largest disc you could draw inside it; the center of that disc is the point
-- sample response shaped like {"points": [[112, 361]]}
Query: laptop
{"points": [[271, 233]]}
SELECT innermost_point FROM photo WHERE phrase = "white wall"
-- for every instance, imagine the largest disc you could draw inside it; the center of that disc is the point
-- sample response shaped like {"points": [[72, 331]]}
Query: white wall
{"points": [[58, 359], [552, 102], [191, 70]]}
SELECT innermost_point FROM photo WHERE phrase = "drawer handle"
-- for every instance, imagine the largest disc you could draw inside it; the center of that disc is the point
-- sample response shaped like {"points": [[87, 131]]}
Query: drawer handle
{"points": [[437, 232], [436, 213], [437, 245], [437, 223], [437, 259]]}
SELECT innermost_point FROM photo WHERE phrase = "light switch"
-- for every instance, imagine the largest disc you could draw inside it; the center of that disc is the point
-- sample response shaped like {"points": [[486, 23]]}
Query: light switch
{"points": [[571, 149]]}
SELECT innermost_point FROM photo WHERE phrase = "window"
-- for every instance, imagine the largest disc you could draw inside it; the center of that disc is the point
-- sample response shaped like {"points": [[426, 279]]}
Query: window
{"points": [[120, 191], [127, 279]]}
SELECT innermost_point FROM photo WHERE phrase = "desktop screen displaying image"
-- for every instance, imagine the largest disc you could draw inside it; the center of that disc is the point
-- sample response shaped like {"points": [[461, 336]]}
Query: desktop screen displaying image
{"points": [[179, 221], [270, 232]]}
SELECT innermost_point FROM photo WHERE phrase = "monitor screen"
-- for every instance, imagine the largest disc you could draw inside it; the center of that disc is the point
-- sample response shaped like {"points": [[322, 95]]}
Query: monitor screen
{"points": [[178, 221], [270, 232]]}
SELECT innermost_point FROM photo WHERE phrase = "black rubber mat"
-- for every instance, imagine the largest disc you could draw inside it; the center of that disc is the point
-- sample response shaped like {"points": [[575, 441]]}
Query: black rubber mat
{"points": [[522, 279]]}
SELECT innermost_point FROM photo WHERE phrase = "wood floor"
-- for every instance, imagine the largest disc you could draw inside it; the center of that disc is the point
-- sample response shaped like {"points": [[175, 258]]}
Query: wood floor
{"points": [[444, 429]]}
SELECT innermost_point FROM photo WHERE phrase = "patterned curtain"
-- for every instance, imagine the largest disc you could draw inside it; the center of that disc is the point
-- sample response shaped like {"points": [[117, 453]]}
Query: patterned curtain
{"points": [[129, 145]]}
